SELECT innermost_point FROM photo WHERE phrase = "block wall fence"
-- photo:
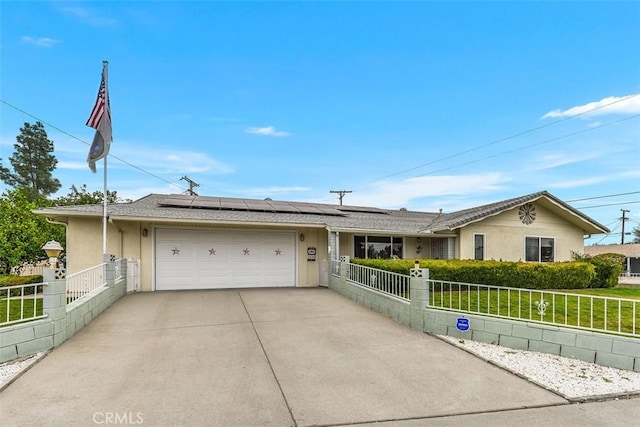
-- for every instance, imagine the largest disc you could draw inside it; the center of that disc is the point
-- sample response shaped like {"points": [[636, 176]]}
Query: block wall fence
{"points": [[602, 349], [63, 320]]}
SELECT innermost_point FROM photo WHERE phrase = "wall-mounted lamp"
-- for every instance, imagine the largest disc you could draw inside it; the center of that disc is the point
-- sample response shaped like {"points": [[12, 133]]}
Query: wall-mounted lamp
{"points": [[145, 232], [53, 250], [301, 237], [418, 246]]}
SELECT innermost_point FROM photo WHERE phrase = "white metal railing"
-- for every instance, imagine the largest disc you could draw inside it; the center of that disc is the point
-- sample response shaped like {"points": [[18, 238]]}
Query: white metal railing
{"points": [[21, 303], [335, 267], [84, 282], [387, 282], [133, 275], [120, 269], [574, 310]]}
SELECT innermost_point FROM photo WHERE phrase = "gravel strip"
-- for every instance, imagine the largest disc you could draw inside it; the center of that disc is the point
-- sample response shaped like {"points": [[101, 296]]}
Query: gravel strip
{"points": [[571, 378], [9, 370]]}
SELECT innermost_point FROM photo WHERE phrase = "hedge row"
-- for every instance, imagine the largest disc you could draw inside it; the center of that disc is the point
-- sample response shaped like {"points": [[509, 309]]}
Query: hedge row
{"points": [[10, 280], [559, 275]]}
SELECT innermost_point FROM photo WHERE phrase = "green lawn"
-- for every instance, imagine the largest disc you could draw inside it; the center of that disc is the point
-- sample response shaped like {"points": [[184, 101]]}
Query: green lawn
{"points": [[569, 310], [19, 310]]}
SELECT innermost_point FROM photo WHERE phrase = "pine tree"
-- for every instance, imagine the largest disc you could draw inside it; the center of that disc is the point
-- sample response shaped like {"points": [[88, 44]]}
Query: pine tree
{"points": [[33, 164]]}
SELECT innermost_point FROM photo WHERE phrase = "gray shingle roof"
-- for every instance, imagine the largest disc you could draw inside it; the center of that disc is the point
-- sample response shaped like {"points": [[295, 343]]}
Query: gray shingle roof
{"points": [[151, 208]]}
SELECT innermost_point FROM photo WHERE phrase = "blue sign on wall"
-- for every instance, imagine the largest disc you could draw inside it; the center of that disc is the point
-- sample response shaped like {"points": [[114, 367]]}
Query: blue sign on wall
{"points": [[462, 324]]}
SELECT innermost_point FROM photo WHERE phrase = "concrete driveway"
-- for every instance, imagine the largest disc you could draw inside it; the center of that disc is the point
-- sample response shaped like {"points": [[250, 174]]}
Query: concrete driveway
{"points": [[270, 357]]}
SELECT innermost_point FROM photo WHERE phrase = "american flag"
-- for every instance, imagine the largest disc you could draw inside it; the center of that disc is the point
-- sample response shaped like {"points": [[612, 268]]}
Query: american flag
{"points": [[100, 120], [98, 109]]}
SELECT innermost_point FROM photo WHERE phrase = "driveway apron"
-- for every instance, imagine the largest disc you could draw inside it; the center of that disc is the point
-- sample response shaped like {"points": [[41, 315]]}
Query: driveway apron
{"points": [[256, 357]]}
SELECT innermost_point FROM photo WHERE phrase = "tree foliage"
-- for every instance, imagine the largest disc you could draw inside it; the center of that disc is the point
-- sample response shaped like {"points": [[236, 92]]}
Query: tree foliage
{"points": [[636, 234], [33, 163], [23, 233], [82, 196]]}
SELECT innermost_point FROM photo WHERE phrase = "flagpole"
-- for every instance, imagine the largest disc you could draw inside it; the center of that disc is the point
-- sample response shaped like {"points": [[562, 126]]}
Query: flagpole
{"points": [[104, 209], [100, 120]]}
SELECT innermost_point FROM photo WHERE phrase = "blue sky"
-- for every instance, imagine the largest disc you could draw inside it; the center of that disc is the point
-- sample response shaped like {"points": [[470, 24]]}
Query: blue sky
{"points": [[423, 105]]}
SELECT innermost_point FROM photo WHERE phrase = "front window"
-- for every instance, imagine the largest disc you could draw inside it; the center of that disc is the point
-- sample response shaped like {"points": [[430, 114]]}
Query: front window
{"points": [[377, 247], [539, 249], [478, 246]]}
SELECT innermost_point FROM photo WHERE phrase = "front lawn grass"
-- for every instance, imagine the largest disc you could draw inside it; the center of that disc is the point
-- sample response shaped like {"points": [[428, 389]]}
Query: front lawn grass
{"points": [[19, 309], [587, 309]]}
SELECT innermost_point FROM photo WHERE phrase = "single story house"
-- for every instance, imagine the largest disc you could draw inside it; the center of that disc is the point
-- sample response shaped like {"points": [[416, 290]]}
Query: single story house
{"points": [[631, 251], [194, 242]]}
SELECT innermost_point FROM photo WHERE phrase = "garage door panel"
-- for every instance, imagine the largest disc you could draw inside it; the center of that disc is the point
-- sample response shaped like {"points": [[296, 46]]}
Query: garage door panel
{"points": [[208, 259]]}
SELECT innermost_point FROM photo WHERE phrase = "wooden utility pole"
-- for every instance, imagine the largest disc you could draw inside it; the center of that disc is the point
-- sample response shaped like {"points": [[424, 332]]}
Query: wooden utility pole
{"points": [[192, 185], [624, 219], [340, 194]]}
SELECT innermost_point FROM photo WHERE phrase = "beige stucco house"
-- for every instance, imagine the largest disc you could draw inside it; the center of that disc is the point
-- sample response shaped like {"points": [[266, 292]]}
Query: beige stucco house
{"points": [[194, 242]]}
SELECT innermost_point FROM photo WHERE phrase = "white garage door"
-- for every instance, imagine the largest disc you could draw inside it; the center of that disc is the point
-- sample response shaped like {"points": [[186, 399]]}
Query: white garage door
{"points": [[215, 259]]}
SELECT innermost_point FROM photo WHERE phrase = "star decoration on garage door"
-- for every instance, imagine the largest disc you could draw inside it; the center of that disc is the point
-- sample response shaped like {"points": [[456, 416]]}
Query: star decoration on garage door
{"points": [[246, 251], [175, 251], [278, 252], [212, 251]]}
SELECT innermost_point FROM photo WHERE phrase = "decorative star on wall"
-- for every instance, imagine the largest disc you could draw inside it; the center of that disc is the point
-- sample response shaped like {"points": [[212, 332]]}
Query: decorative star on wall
{"points": [[212, 251], [278, 252], [246, 251], [175, 251]]}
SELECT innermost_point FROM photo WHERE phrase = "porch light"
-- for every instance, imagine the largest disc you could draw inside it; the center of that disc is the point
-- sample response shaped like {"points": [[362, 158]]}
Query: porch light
{"points": [[417, 264], [53, 250]]}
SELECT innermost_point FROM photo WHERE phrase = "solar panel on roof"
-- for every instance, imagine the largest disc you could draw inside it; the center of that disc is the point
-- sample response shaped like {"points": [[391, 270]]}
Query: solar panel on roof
{"points": [[227, 203], [258, 205], [284, 207], [364, 209], [176, 201], [206, 204]]}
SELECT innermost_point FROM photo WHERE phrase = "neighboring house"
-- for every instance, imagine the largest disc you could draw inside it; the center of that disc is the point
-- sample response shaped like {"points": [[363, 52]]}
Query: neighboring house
{"points": [[630, 250], [193, 242]]}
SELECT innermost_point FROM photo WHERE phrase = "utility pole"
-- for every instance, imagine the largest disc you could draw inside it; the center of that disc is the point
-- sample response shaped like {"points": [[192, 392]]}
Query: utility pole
{"points": [[624, 219], [192, 185], [340, 194]]}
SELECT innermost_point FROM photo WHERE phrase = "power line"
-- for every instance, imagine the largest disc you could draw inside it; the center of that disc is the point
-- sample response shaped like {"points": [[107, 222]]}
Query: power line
{"points": [[610, 204], [609, 234], [603, 197], [532, 145], [88, 144], [525, 132]]}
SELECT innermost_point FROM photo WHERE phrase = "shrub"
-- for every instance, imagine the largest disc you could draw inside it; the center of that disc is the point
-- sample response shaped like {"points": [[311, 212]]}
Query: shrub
{"points": [[560, 275], [10, 280], [607, 266]]}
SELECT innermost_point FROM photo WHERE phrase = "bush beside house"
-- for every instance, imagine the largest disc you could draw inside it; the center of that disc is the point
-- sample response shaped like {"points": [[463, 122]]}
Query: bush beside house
{"points": [[11, 280], [560, 275]]}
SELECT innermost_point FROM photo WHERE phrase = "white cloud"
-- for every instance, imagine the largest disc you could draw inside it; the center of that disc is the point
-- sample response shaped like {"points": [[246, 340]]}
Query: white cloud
{"points": [[408, 192], [579, 182], [611, 105], [72, 165], [40, 41], [554, 160], [189, 162], [267, 130], [88, 16]]}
